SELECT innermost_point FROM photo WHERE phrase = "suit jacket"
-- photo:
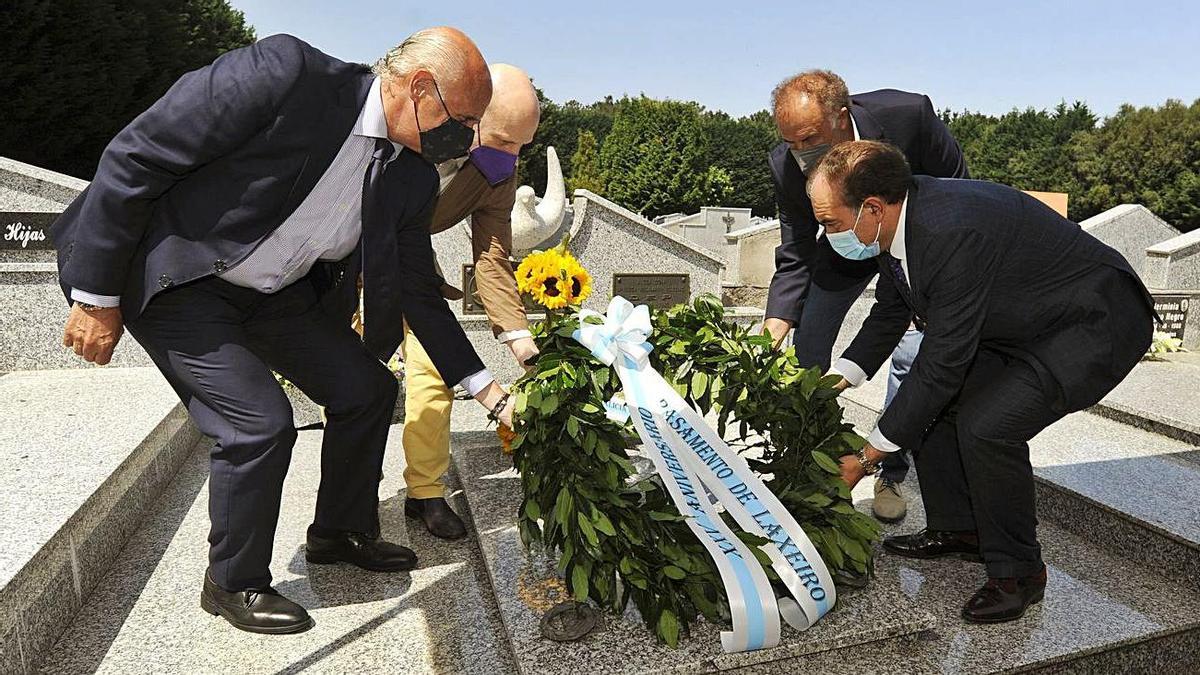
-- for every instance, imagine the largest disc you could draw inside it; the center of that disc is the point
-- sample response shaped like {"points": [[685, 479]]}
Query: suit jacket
{"points": [[992, 268], [905, 120], [192, 185], [490, 209]]}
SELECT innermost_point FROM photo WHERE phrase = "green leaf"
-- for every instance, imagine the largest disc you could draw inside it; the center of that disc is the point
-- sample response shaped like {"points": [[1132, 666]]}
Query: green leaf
{"points": [[531, 510], [603, 524], [590, 408], [662, 515], [823, 460], [549, 404], [699, 383], [573, 427], [673, 572], [562, 506], [668, 628], [818, 499], [579, 583], [585, 526]]}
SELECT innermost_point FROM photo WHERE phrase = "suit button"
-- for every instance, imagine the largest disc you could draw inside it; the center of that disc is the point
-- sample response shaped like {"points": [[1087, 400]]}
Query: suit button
{"points": [[165, 281], [220, 266]]}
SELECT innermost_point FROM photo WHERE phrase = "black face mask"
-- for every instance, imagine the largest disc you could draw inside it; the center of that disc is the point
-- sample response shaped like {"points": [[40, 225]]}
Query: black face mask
{"points": [[447, 140]]}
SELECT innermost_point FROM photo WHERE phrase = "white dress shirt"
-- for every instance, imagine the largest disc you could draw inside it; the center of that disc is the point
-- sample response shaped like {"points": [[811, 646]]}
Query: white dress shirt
{"points": [[327, 225], [850, 370]]}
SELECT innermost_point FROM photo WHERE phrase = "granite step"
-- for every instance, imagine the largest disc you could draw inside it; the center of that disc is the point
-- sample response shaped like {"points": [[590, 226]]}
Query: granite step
{"points": [[144, 614], [1130, 490], [1159, 396], [527, 586], [32, 313], [1103, 613], [84, 454]]}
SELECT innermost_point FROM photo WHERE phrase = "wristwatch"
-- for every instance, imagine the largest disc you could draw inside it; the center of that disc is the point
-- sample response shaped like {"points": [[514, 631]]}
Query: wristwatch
{"points": [[89, 308], [867, 465]]}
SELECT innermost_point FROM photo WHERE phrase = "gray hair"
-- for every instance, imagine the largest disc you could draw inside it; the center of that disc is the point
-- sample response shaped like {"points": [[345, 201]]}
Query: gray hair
{"points": [[430, 49]]}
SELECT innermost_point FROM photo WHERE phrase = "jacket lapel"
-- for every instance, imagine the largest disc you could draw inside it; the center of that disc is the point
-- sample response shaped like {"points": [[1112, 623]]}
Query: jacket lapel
{"points": [[329, 132]]}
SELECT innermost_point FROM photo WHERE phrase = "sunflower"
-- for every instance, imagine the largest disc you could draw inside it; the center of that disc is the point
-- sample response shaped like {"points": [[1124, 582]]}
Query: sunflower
{"points": [[534, 269], [578, 279], [553, 292]]}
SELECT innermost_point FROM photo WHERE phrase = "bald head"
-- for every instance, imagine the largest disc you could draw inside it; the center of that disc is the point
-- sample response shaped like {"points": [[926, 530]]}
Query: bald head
{"points": [[434, 74], [512, 117]]}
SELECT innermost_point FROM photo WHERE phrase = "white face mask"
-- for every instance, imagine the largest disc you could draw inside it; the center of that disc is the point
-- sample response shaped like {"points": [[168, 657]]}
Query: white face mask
{"points": [[848, 245]]}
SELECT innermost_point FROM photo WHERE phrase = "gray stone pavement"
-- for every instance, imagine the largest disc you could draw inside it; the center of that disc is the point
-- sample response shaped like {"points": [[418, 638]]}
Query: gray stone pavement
{"points": [[144, 616]]}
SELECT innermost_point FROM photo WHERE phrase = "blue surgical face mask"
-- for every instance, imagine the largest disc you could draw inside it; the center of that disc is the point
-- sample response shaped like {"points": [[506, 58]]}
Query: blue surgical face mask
{"points": [[848, 245]]}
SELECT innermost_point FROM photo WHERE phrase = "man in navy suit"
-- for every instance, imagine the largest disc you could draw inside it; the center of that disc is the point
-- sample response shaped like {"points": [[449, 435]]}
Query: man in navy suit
{"points": [[1027, 318], [813, 288], [225, 228]]}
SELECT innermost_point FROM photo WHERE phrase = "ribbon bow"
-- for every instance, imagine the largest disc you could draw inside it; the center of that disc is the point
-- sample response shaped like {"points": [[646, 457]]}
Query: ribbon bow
{"points": [[623, 332]]}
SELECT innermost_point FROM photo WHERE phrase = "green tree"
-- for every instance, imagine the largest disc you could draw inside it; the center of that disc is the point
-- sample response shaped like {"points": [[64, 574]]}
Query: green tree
{"points": [[585, 165], [1027, 149], [559, 127], [74, 72], [1148, 156], [654, 158], [740, 147]]}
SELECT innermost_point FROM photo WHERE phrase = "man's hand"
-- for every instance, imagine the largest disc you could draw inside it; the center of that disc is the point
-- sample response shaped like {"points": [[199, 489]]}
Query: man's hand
{"points": [[852, 469], [524, 350], [777, 329], [491, 395], [842, 385], [94, 333]]}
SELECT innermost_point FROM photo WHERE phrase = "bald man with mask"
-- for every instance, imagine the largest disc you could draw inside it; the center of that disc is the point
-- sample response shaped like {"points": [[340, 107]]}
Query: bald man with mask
{"points": [[483, 187]]}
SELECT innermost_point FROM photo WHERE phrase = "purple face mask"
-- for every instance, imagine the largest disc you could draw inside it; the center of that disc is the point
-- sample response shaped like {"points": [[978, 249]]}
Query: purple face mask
{"points": [[496, 166]]}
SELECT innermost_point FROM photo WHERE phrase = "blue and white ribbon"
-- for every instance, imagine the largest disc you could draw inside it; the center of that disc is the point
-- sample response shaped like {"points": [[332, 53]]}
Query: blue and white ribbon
{"points": [[689, 456]]}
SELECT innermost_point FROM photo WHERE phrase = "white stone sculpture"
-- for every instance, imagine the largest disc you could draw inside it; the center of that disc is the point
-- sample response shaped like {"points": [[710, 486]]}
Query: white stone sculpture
{"points": [[533, 220]]}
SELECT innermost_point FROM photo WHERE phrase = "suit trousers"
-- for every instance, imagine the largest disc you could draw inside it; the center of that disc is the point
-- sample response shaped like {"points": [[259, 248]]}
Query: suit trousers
{"points": [[973, 463], [427, 405], [217, 344]]}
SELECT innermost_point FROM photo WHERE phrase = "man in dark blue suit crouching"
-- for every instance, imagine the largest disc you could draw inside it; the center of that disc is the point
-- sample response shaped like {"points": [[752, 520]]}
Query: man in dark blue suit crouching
{"points": [[226, 228]]}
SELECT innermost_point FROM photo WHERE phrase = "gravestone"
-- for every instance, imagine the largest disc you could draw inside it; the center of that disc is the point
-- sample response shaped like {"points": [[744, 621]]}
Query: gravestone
{"points": [[1131, 229], [32, 306], [1172, 271], [624, 253], [709, 227]]}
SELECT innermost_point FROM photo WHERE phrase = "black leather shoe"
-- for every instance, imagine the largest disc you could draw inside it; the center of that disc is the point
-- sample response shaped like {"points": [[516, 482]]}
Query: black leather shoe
{"points": [[255, 611], [935, 544], [439, 518], [1005, 599], [325, 547]]}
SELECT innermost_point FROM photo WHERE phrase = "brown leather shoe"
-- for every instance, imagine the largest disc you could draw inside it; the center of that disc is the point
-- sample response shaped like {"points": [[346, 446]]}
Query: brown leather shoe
{"points": [[1005, 599], [935, 544]]}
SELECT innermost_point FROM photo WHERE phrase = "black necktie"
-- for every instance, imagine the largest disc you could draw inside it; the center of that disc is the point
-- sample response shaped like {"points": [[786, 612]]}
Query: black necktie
{"points": [[381, 282]]}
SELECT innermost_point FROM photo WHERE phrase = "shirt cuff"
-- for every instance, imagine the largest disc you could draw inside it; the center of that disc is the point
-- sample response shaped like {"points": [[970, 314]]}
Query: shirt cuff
{"points": [[880, 442], [93, 299], [849, 370], [510, 335], [477, 382]]}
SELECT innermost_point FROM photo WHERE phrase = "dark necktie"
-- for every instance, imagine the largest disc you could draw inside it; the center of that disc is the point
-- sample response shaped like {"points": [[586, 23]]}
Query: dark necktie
{"points": [[905, 290], [381, 278]]}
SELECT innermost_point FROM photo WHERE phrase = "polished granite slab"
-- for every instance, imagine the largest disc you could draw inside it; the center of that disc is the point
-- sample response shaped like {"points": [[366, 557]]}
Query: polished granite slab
{"points": [[1160, 396], [526, 588], [145, 617], [84, 453], [1101, 613]]}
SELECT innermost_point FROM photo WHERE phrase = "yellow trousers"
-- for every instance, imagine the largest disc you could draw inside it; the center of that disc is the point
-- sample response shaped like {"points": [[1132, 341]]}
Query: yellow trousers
{"points": [[427, 402]]}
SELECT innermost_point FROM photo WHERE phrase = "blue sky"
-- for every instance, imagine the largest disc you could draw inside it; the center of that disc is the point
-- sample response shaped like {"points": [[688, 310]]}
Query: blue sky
{"points": [[991, 56]]}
